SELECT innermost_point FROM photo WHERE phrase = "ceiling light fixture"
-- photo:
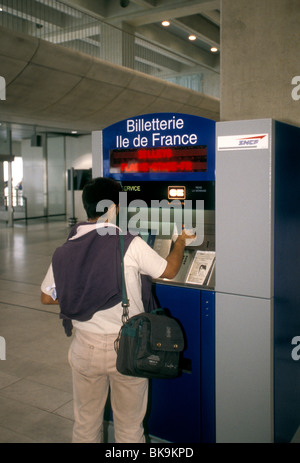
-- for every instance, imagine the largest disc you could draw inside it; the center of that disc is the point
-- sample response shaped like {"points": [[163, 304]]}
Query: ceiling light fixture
{"points": [[192, 37], [213, 49], [165, 23]]}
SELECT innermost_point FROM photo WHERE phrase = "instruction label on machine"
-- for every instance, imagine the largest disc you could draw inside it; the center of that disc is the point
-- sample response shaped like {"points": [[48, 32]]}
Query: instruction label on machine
{"points": [[239, 142], [201, 267]]}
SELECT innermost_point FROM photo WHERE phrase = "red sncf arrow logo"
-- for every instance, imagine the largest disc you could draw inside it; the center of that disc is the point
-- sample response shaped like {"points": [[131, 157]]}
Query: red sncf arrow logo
{"points": [[250, 138]]}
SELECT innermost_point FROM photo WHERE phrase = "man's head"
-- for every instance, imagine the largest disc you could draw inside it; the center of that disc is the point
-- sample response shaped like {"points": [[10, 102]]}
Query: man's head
{"points": [[99, 189]]}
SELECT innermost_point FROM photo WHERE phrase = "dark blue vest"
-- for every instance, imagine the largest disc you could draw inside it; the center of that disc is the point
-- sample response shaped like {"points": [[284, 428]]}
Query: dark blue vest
{"points": [[87, 274]]}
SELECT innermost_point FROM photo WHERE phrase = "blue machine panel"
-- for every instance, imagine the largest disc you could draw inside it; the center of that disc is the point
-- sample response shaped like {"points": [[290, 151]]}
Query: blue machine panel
{"points": [[286, 283], [183, 409], [207, 367]]}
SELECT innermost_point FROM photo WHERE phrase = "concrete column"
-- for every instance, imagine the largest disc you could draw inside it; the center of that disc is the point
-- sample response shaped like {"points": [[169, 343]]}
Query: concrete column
{"points": [[260, 57], [117, 46]]}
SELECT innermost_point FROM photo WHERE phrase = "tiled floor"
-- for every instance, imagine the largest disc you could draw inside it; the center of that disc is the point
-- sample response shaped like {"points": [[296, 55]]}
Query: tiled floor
{"points": [[35, 378]]}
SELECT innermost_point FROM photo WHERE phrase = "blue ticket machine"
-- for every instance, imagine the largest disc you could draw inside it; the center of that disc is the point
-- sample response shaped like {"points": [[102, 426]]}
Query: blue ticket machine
{"points": [[239, 377], [166, 163]]}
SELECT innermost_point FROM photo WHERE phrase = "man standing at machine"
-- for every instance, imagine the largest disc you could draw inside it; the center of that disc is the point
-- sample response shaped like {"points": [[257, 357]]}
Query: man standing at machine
{"points": [[85, 280]]}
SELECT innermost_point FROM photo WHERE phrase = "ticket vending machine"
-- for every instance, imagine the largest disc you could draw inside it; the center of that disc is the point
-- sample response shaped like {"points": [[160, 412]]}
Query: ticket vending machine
{"points": [[237, 292], [166, 163]]}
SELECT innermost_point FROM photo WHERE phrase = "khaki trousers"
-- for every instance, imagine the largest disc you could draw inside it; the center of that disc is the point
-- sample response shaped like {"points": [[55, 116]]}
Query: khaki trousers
{"points": [[93, 362]]}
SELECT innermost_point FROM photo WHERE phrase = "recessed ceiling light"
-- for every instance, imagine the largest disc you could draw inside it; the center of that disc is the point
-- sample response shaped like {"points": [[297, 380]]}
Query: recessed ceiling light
{"points": [[165, 23], [74, 131], [192, 37], [213, 49]]}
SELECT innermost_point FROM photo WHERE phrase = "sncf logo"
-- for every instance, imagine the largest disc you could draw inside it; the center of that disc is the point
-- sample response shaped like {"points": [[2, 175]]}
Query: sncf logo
{"points": [[250, 140], [247, 141]]}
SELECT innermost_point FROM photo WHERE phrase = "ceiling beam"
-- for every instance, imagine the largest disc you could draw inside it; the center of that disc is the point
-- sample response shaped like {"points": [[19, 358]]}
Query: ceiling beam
{"points": [[171, 10], [96, 8], [177, 45], [77, 33], [31, 15], [203, 29], [214, 16], [58, 6]]}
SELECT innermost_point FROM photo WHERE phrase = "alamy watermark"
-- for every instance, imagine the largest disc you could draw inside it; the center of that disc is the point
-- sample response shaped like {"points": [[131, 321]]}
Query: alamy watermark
{"points": [[163, 217], [296, 90], [296, 350], [2, 88], [2, 348]]}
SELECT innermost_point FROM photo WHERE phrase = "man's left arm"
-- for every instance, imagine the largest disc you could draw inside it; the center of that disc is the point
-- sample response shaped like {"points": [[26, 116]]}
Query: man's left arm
{"points": [[48, 289], [47, 299]]}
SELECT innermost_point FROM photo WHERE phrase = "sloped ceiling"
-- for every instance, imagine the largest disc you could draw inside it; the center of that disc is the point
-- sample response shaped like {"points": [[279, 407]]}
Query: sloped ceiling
{"points": [[49, 85]]}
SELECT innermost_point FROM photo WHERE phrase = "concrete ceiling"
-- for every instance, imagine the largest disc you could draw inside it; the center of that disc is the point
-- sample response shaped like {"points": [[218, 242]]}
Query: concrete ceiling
{"points": [[54, 88], [143, 18]]}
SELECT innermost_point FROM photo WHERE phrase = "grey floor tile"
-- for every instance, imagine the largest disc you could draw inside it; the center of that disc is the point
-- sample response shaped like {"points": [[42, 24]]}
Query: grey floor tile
{"points": [[33, 423], [36, 394], [7, 436], [7, 379], [56, 377], [66, 410]]}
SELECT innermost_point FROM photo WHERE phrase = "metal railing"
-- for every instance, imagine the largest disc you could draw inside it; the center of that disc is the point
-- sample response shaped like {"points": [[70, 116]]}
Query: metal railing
{"points": [[61, 24]]}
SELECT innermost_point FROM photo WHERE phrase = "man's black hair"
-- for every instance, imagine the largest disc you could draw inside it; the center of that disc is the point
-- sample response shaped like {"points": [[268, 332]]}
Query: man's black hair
{"points": [[96, 190]]}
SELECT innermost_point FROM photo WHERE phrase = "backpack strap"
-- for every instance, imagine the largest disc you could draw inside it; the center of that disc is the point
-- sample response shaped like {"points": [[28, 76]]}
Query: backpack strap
{"points": [[125, 301]]}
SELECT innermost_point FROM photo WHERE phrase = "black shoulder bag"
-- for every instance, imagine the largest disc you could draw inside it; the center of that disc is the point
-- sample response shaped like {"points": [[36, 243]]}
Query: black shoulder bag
{"points": [[148, 344]]}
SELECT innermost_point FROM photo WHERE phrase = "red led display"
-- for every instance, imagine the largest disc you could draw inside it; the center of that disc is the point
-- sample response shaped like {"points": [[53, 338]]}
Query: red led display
{"points": [[142, 160]]}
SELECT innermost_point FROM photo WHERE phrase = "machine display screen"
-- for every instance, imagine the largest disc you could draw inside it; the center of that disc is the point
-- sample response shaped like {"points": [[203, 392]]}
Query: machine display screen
{"points": [[159, 160]]}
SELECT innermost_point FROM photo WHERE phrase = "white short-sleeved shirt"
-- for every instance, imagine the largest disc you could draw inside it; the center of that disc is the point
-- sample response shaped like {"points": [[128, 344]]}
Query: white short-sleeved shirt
{"points": [[139, 259]]}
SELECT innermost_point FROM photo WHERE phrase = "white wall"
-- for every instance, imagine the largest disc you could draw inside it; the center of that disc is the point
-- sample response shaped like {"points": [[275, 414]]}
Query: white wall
{"points": [[56, 178], [78, 156], [33, 178], [45, 183]]}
